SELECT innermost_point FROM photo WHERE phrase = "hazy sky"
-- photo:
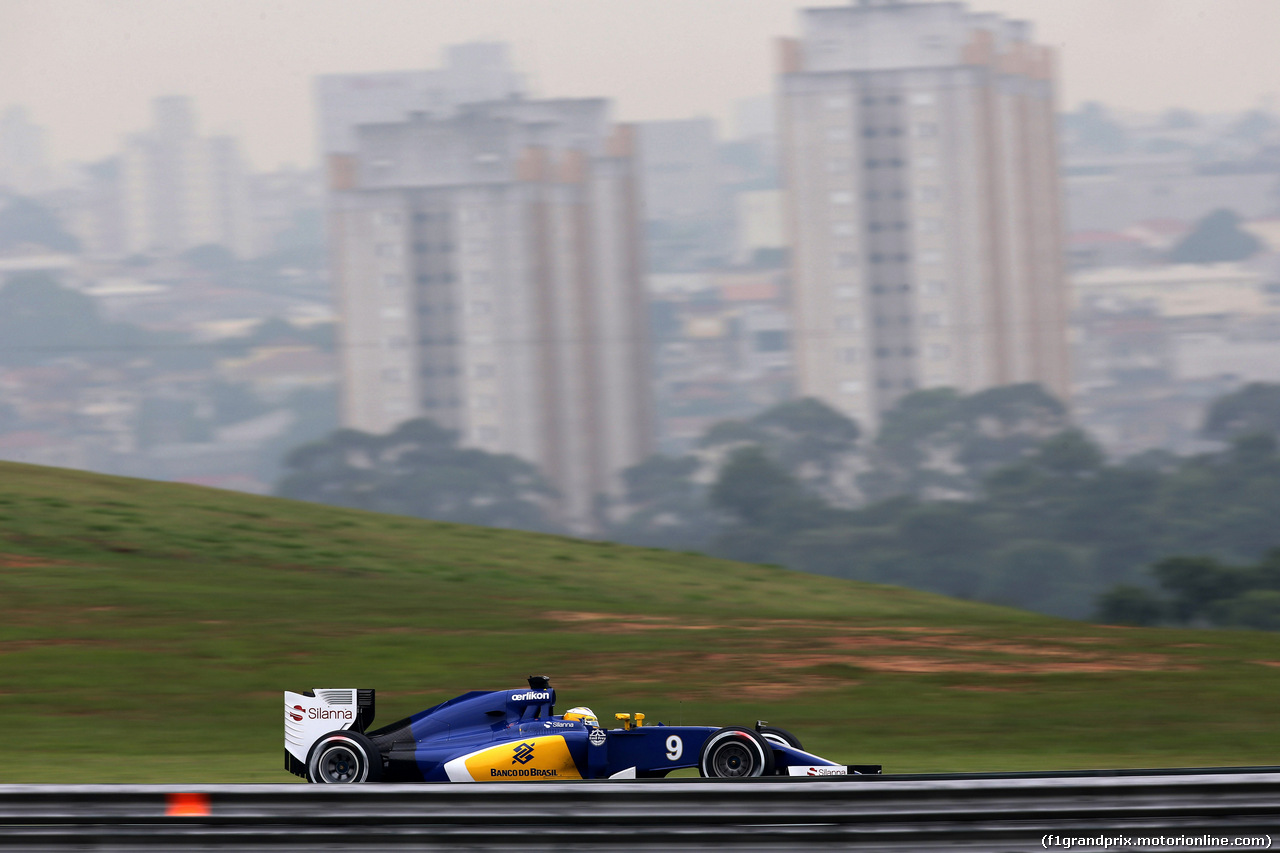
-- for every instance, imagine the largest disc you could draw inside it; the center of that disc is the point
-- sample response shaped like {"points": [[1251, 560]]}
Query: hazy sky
{"points": [[87, 69]]}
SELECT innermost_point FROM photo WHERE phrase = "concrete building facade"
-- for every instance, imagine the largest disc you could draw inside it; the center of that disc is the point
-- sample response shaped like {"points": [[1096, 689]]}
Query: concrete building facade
{"points": [[177, 190], [488, 267], [923, 203]]}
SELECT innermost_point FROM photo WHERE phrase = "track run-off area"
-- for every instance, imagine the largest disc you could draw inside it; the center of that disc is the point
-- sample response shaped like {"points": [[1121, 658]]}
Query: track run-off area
{"points": [[1235, 808]]}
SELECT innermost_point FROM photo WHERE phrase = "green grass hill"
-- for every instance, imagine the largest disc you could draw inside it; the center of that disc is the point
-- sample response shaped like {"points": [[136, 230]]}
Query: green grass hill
{"points": [[148, 629]]}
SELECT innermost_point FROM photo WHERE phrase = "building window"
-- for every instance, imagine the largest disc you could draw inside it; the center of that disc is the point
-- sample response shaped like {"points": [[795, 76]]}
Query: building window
{"points": [[484, 402], [926, 162], [837, 134], [935, 287], [393, 313], [933, 320], [396, 343], [930, 225], [845, 260], [925, 130], [842, 229], [921, 99], [931, 256], [392, 280], [841, 197], [484, 371], [928, 194], [846, 323], [486, 433], [837, 164], [846, 293], [851, 386], [389, 217], [849, 355], [938, 352], [479, 308], [388, 250], [771, 340], [835, 102], [392, 374], [476, 246]]}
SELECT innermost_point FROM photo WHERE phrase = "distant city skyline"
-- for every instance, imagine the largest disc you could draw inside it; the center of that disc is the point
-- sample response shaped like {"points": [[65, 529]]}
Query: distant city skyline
{"points": [[88, 70]]}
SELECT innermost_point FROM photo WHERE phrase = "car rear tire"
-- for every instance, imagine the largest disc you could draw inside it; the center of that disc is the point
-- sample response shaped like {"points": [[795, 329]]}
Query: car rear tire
{"points": [[735, 753], [780, 736], [344, 758]]}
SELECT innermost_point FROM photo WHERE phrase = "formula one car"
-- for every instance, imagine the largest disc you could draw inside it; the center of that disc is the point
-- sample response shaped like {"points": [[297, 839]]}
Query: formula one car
{"points": [[515, 735]]}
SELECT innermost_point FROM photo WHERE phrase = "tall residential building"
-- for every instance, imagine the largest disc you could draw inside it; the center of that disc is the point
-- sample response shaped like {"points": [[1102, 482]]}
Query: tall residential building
{"points": [[179, 190], [23, 166], [921, 166], [686, 212], [488, 268]]}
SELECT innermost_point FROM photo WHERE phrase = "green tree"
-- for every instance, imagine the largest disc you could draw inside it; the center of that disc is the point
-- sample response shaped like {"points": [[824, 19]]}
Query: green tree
{"points": [[40, 320], [752, 487], [26, 222], [810, 440], [418, 469], [1215, 239], [1096, 129], [768, 505], [664, 506], [1125, 604], [938, 440], [1255, 608], [1253, 408], [1196, 584]]}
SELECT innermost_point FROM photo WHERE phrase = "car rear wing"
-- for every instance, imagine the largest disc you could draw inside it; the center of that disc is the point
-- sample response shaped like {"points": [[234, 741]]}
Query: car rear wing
{"points": [[310, 715]]}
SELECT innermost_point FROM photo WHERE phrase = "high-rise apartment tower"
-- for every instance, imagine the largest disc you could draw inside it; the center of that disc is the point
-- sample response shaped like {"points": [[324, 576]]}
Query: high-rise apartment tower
{"points": [[921, 168], [488, 269]]}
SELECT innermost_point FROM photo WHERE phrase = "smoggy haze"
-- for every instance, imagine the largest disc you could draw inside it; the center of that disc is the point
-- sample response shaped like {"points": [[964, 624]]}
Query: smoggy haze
{"points": [[87, 69]]}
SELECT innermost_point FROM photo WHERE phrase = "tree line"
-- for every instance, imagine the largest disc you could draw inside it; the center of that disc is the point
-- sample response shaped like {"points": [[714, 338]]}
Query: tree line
{"points": [[993, 496]]}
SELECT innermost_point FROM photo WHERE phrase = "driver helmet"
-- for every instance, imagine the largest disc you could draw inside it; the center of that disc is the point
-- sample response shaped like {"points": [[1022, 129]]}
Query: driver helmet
{"points": [[582, 714]]}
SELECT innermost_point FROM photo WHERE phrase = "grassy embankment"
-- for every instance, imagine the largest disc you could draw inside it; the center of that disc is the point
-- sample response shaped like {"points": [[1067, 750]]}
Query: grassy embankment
{"points": [[147, 631]]}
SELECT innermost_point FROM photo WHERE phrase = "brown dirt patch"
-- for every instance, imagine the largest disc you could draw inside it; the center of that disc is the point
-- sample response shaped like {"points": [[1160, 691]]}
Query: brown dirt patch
{"points": [[1130, 663], [790, 687], [615, 622], [22, 561]]}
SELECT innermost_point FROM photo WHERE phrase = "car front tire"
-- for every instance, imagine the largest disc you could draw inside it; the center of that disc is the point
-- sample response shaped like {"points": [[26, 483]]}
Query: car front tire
{"points": [[735, 753], [781, 736]]}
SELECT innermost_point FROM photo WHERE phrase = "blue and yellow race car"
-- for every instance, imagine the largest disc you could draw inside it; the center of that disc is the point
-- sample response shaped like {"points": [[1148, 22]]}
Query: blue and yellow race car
{"points": [[515, 735]]}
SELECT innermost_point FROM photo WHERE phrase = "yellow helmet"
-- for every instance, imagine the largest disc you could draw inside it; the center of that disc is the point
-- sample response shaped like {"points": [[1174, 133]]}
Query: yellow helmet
{"points": [[583, 714]]}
